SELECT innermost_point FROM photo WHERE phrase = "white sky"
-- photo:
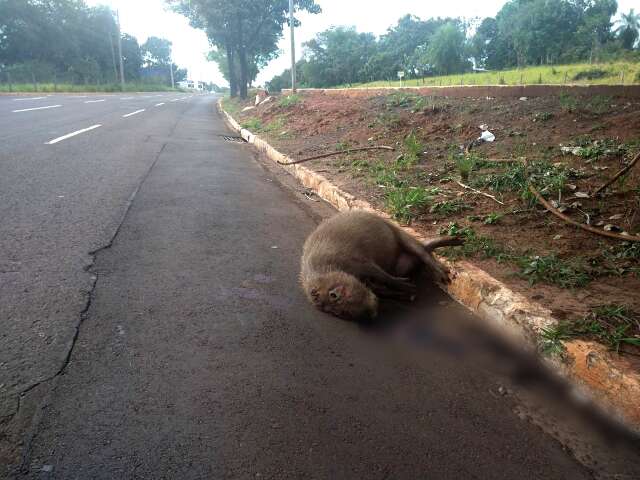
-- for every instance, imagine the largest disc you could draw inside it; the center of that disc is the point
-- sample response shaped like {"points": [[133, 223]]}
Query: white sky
{"points": [[145, 18]]}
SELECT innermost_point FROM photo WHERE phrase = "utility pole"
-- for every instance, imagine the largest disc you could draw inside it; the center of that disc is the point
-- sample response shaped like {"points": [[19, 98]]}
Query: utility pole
{"points": [[293, 49], [120, 52], [113, 57], [173, 84]]}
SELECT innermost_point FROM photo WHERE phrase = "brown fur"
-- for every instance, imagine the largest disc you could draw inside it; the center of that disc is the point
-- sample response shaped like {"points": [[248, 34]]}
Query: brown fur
{"points": [[354, 257]]}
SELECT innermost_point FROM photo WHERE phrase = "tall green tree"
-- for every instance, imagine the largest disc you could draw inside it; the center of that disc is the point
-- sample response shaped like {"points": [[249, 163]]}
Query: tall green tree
{"points": [[338, 55], [156, 52], [245, 31], [629, 29], [447, 51]]}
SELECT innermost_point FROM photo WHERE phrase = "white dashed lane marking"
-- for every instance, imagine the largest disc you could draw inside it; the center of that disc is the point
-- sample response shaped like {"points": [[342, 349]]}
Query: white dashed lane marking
{"points": [[27, 99], [72, 134], [95, 101], [159, 104], [133, 113], [36, 108]]}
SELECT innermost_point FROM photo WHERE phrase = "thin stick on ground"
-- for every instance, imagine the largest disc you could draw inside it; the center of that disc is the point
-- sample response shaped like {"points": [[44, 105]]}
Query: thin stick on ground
{"points": [[588, 228], [350, 150], [619, 174], [467, 187]]}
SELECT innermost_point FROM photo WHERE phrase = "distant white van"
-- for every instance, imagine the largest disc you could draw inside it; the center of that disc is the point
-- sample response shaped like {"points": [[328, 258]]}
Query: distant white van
{"points": [[193, 85]]}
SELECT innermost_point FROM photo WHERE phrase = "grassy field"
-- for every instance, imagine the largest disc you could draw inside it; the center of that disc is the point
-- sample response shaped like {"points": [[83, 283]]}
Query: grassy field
{"points": [[607, 74], [50, 87]]}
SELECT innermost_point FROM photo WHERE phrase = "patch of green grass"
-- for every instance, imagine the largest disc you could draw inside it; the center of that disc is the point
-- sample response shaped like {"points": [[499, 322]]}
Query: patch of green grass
{"points": [[542, 116], [231, 105], [548, 179], [412, 150], [594, 149], [401, 99], [275, 126], [405, 203], [389, 120], [290, 101], [596, 104], [492, 218], [612, 325], [449, 207], [621, 259], [253, 124], [551, 269], [591, 74], [568, 102], [474, 244], [360, 165], [547, 74], [465, 165]]}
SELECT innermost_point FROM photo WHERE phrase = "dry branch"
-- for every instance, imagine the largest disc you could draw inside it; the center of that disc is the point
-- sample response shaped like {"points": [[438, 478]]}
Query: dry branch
{"points": [[467, 187], [619, 174], [588, 228], [350, 150]]}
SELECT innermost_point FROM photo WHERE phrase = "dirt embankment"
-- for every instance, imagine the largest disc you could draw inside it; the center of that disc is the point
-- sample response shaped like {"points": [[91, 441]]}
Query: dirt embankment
{"points": [[572, 146]]}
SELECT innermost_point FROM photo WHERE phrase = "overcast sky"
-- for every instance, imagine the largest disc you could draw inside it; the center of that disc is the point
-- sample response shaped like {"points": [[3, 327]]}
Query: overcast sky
{"points": [[145, 18]]}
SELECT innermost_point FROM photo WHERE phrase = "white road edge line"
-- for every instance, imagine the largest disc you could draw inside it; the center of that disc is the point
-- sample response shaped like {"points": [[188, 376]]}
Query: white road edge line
{"points": [[133, 113], [36, 108], [72, 134], [95, 101], [28, 98]]}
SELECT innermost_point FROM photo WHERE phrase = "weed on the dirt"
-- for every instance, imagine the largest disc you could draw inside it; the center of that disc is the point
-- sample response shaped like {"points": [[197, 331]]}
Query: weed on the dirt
{"points": [[412, 150], [549, 269], [290, 100], [490, 219], [253, 124], [611, 325], [405, 203], [449, 207]]}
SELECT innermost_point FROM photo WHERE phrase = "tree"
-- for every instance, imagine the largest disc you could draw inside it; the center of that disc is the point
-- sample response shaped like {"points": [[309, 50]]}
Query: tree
{"points": [[446, 53], [246, 32], [156, 52], [629, 29], [338, 55], [131, 57], [397, 48], [62, 40]]}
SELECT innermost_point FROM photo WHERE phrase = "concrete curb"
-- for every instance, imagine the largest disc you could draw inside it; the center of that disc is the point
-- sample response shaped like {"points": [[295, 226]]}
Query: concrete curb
{"points": [[607, 379], [480, 91]]}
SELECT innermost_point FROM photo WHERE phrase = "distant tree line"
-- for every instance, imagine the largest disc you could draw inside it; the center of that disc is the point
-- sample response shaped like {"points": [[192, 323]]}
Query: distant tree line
{"points": [[523, 33], [68, 42]]}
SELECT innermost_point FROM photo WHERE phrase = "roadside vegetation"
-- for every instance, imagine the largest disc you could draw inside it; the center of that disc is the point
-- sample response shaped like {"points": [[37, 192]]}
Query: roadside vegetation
{"points": [[532, 42], [614, 73], [68, 46], [71, 88]]}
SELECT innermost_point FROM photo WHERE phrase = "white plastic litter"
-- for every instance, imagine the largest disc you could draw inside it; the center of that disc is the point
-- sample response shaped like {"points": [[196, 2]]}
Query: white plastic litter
{"points": [[571, 150], [487, 136]]}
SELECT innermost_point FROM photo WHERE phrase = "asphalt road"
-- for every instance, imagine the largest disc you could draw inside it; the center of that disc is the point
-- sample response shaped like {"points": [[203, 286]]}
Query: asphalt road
{"points": [[197, 356]]}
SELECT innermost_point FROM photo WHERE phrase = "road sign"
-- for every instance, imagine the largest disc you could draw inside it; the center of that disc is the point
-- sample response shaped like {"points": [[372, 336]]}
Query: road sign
{"points": [[400, 74]]}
